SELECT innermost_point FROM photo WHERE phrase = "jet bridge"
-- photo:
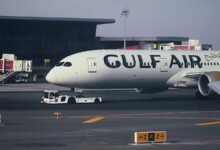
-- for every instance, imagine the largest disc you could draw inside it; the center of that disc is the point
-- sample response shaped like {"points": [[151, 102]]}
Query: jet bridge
{"points": [[10, 66]]}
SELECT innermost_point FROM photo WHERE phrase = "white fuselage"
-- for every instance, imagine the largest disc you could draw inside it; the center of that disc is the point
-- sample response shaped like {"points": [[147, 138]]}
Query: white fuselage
{"points": [[132, 69]]}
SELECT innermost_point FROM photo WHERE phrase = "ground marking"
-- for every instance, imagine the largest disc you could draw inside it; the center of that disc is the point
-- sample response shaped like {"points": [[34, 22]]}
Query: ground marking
{"points": [[93, 120], [208, 123]]}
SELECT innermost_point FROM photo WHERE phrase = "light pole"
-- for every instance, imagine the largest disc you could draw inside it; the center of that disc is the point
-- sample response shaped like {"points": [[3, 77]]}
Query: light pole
{"points": [[125, 12]]}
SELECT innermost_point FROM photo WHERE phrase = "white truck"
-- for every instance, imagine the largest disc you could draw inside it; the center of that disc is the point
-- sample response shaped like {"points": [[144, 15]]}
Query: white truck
{"points": [[53, 97]]}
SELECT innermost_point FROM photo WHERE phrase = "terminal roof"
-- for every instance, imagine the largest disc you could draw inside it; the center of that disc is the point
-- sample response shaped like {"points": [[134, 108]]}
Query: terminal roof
{"points": [[28, 18]]}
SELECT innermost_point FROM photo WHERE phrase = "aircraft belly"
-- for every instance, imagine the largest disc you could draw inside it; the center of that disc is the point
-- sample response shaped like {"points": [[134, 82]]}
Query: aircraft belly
{"points": [[125, 79]]}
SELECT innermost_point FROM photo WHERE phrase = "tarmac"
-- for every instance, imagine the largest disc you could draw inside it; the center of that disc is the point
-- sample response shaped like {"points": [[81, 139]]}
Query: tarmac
{"points": [[28, 124], [30, 87]]}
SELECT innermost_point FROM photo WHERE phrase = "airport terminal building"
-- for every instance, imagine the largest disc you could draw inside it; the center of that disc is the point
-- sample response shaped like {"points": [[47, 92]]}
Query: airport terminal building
{"points": [[39, 38]]}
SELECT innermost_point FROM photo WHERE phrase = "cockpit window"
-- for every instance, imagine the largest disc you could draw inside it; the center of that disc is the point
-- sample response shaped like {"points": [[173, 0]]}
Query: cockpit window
{"points": [[67, 64], [60, 64]]}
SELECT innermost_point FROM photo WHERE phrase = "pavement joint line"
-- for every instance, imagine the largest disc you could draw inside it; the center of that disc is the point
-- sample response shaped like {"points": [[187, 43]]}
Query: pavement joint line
{"points": [[93, 120], [151, 117], [208, 123], [168, 113], [119, 117]]}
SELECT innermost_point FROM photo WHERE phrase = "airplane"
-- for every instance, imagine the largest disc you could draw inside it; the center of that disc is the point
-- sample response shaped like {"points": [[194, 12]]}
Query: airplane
{"points": [[148, 71]]}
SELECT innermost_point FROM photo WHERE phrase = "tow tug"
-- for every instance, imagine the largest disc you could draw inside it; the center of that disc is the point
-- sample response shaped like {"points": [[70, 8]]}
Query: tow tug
{"points": [[53, 97]]}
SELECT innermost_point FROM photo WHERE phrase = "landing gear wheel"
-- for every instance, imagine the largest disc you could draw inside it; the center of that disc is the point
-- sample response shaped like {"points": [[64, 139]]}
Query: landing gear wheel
{"points": [[97, 101], [71, 100]]}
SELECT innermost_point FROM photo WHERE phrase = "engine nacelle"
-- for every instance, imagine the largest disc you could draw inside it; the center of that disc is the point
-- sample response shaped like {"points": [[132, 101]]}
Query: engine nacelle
{"points": [[151, 90], [203, 82]]}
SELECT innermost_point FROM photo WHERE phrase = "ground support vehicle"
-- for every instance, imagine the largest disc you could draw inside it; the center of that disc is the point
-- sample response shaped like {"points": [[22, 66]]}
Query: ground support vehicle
{"points": [[53, 97]]}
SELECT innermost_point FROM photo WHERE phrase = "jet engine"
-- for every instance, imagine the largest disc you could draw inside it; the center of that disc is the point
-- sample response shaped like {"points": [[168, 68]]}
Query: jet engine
{"points": [[203, 82], [151, 90]]}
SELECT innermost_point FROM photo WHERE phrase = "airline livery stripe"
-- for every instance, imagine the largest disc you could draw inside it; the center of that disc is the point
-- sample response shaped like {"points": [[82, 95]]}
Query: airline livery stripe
{"points": [[216, 75]]}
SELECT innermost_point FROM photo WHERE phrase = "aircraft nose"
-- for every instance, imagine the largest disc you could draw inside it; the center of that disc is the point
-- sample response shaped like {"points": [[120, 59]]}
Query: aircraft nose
{"points": [[51, 77]]}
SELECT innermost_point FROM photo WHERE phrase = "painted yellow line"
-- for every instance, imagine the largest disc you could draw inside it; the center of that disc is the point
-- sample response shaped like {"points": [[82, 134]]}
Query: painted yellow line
{"points": [[93, 120], [208, 123]]}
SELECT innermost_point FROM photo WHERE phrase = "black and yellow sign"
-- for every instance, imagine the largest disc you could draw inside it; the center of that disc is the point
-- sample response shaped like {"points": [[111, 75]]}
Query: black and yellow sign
{"points": [[141, 137], [160, 136], [153, 136]]}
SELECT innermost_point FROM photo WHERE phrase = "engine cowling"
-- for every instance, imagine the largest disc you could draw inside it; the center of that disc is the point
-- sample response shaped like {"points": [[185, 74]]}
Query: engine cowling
{"points": [[203, 82], [151, 90]]}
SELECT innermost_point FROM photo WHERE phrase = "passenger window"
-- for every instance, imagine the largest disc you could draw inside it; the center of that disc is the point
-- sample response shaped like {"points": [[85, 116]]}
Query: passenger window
{"points": [[60, 64], [67, 64]]}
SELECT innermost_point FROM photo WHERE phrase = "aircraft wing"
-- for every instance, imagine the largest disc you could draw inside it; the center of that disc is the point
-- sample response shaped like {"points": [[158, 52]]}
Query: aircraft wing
{"points": [[215, 86], [213, 79], [193, 75], [190, 78], [184, 78]]}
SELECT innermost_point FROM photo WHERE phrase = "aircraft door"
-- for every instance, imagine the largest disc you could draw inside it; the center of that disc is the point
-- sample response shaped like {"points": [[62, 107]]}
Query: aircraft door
{"points": [[163, 65], [76, 76], [92, 67]]}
